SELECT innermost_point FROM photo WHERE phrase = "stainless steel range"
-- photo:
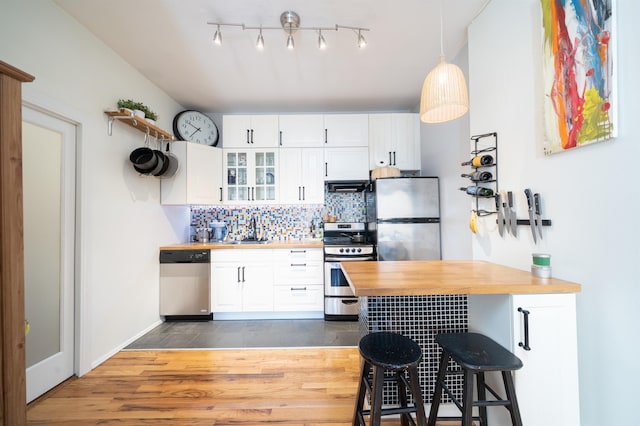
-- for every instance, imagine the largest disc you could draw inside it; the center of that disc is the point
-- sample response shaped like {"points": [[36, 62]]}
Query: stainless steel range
{"points": [[343, 242]]}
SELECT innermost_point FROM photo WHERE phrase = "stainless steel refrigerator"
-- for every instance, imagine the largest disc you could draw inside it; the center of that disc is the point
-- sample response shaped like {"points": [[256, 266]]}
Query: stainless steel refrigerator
{"points": [[403, 216]]}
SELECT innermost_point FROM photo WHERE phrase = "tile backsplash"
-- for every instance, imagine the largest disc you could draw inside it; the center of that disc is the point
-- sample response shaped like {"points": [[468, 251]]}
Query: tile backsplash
{"points": [[280, 222]]}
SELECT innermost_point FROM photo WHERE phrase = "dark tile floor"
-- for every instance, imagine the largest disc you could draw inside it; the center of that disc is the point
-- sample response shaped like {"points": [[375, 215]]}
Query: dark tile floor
{"points": [[249, 334]]}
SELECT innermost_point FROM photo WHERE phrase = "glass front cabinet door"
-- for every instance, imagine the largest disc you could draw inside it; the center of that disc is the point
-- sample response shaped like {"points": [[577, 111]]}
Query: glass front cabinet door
{"points": [[251, 176]]}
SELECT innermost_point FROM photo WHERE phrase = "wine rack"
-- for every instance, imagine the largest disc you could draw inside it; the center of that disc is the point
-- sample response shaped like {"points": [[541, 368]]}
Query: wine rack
{"points": [[485, 144]]}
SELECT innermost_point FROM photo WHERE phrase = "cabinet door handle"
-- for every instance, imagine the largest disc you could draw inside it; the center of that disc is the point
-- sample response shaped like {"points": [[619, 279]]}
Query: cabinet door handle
{"points": [[303, 197], [238, 274], [299, 193], [394, 158], [280, 137], [390, 162], [525, 345], [326, 169], [247, 135], [251, 136], [220, 194], [325, 135], [243, 274]]}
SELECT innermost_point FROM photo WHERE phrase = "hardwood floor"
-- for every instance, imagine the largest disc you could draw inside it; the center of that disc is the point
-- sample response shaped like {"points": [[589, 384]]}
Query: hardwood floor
{"points": [[201, 387]]}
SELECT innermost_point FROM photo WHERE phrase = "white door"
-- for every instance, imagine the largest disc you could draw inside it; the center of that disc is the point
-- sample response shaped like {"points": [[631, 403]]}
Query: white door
{"points": [[49, 236]]}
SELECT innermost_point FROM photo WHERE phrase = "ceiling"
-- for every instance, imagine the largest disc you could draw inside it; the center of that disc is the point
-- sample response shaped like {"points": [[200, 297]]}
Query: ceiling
{"points": [[170, 43]]}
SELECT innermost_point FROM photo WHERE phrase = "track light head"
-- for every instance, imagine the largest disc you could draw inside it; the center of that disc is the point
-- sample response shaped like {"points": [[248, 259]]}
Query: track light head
{"points": [[362, 43], [322, 43], [217, 37], [260, 41]]}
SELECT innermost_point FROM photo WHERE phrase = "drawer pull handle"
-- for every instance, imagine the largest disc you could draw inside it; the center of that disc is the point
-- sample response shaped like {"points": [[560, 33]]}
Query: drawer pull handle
{"points": [[525, 345], [298, 251], [293, 265], [298, 289]]}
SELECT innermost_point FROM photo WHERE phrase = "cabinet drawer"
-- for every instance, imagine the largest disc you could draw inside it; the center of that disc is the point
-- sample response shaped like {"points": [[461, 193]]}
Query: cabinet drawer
{"points": [[300, 255], [299, 297], [299, 273], [243, 256]]}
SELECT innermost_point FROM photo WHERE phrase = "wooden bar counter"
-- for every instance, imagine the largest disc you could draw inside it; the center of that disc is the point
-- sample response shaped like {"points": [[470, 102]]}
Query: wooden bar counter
{"points": [[420, 299], [433, 277]]}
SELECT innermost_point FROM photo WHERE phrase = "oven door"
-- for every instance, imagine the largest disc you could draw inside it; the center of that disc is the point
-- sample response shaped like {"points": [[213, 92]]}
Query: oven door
{"points": [[335, 283]]}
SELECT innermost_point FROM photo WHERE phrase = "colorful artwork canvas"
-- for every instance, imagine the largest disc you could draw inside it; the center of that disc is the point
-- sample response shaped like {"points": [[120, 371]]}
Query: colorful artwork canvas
{"points": [[579, 77]]}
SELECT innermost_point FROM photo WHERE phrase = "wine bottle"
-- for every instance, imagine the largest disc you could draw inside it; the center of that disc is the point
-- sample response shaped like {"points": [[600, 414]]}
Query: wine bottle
{"points": [[478, 190], [479, 161], [478, 176]]}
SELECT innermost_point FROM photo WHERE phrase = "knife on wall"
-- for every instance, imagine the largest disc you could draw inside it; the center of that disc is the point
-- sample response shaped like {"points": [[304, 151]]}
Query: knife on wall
{"points": [[512, 215], [505, 209], [500, 217], [536, 202], [532, 215]]}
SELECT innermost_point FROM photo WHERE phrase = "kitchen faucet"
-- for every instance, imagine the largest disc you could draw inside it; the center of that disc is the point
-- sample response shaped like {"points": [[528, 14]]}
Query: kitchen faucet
{"points": [[252, 234]]}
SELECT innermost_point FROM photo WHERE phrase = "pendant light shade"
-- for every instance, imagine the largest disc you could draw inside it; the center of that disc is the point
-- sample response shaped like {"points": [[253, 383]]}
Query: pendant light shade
{"points": [[444, 94]]}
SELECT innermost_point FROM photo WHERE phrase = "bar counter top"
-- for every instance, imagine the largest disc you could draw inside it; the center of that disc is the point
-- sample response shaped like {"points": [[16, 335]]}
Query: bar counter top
{"points": [[441, 277]]}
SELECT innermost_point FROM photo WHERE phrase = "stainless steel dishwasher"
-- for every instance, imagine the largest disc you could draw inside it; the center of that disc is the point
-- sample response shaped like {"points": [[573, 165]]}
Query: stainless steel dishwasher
{"points": [[185, 290]]}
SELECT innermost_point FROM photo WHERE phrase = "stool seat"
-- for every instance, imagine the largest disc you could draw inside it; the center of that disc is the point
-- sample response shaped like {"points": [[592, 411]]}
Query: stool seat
{"points": [[398, 356], [390, 350], [476, 351]]}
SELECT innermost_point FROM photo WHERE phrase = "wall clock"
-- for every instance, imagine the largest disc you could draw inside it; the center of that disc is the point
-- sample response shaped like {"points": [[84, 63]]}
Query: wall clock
{"points": [[194, 126]]}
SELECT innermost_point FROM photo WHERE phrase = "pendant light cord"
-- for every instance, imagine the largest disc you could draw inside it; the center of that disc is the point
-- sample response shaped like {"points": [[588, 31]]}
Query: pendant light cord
{"points": [[441, 32]]}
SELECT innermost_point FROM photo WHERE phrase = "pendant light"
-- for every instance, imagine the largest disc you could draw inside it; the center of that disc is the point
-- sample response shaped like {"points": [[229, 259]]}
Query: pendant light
{"points": [[444, 92]]}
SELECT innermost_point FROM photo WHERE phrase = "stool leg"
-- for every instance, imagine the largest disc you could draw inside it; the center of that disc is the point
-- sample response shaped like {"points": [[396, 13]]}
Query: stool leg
{"points": [[362, 391], [482, 396], [516, 420], [467, 397], [416, 391], [402, 396], [376, 397], [437, 393]]}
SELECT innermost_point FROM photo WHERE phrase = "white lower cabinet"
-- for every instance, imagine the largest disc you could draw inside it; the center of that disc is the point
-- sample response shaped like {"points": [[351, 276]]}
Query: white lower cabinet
{"points": [[267, 282], [298, 280], [242, 280], [547, 384]]}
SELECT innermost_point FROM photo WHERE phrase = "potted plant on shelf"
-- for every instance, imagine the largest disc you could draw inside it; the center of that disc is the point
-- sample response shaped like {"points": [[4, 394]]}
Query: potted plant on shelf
{"points": [[132, 107], [150, 116]]}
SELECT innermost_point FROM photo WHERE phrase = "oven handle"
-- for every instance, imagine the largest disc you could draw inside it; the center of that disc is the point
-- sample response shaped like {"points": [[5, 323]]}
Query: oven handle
{"points": [[348, 259]]}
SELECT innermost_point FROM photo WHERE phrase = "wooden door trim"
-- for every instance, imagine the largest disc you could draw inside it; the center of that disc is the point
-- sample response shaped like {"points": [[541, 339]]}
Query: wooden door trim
{"points": [[12, 342]]}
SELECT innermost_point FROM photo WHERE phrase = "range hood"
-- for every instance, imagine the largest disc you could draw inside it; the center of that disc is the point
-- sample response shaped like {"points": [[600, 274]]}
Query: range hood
{"points": [[346, 185]]}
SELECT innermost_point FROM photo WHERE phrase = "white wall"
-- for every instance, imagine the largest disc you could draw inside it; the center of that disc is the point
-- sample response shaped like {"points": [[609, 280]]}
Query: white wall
{"points": [[122, 222], [443, 147], [590, 194]]}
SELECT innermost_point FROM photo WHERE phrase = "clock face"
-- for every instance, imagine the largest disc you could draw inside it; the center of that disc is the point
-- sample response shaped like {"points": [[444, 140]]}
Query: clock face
{"points": [[194, 126]]}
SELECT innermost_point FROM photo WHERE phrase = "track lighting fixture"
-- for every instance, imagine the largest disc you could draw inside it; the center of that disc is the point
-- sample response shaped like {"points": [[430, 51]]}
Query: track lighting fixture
{"points": [[217, 37], [260, 42], [290, 23], [322, 43]]}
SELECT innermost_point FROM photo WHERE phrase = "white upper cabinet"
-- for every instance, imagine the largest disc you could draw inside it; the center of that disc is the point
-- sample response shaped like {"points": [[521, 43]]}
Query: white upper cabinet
{"points": [[250, 131], [394, 140], [198, 179], [346, 163], [301, 175], [301, 131], [346, 130], [251, 176]]}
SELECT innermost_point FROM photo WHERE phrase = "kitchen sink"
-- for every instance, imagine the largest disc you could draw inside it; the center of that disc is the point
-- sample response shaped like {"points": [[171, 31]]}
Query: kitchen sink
{"points": [[247, 242]]}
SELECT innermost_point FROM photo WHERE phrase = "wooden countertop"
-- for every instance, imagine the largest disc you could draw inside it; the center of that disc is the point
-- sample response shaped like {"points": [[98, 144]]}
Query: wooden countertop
{"points": [[291, 244], [433, 277]]}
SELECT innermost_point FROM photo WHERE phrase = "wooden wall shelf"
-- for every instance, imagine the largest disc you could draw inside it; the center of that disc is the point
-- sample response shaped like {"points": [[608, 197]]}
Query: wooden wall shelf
{"points": [[137, 123]]}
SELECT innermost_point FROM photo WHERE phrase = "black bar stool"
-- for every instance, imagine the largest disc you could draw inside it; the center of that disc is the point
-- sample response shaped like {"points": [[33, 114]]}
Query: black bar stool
{"points": [[476, 354], [384, 351]]}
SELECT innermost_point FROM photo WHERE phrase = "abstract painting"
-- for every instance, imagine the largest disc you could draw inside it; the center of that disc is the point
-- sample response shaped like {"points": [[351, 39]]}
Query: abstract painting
{"points": [[578, 69]]}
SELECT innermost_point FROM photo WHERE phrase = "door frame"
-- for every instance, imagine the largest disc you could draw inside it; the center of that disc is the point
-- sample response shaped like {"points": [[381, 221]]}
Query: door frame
{"points": [[46, 105]]}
